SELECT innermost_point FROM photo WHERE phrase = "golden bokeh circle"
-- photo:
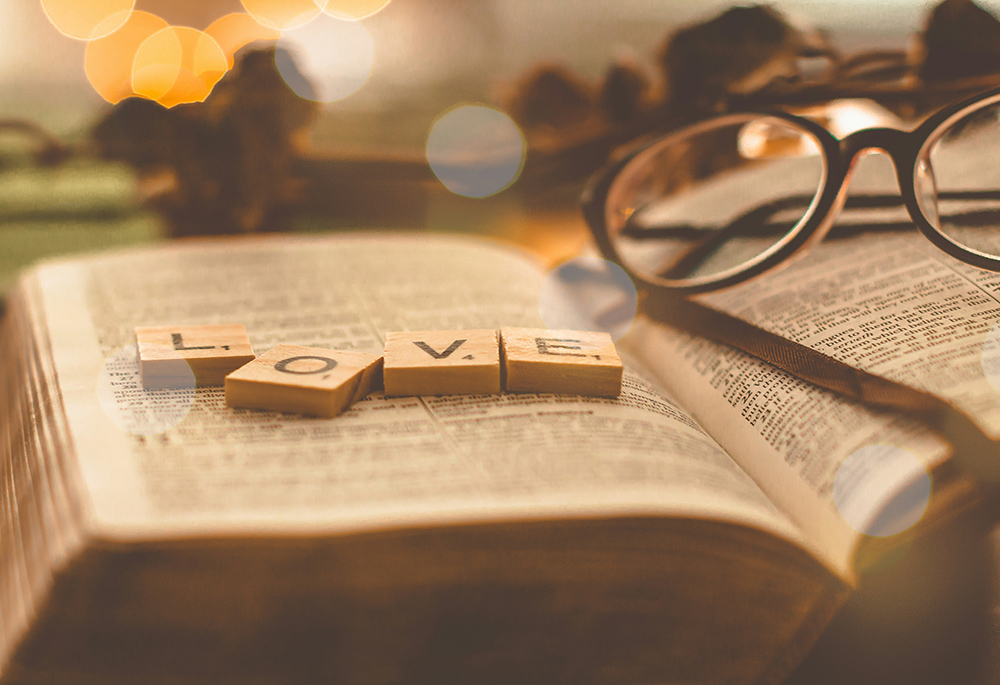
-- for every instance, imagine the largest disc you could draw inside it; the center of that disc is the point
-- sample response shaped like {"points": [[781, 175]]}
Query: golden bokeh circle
{"points": [[234, 31], [178, 65], [108, 61], [282, 15], [351, 10], [87, 19]]}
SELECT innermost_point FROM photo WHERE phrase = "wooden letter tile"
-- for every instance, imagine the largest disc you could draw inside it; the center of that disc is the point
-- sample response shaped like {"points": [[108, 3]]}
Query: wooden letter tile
{"points": [[304, 380], [566, 362], [173, 356], [442, 363]]}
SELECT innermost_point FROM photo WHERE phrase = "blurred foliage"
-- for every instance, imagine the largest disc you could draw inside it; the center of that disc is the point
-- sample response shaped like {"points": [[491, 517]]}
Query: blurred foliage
{"points": [[81, 206]]}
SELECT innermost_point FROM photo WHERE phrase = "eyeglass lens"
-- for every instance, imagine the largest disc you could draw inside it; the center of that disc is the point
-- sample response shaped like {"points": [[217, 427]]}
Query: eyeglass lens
{"points": [[714, 198], [958, 180]]}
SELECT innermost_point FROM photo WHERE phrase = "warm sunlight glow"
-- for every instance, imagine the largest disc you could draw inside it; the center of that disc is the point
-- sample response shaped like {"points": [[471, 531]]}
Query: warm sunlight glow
{"points": [[351, 9], [87, 19], [844, 117], [178, 65], [282, 14], [770, 138], [237, 30], [108, 62]]}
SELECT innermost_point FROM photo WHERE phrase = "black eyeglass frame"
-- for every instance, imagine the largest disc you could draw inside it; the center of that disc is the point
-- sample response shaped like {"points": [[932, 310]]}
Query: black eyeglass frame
{"points": [[906, 149]]}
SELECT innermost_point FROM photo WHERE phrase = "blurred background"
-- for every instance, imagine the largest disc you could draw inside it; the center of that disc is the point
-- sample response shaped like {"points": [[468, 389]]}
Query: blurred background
{"points": [[429, 54], [398, 72], [422, 59]]}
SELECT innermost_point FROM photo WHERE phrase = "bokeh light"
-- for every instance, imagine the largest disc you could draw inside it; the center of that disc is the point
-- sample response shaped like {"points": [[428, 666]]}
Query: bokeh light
{"points": [[588, 294], [135, 409], [773, 139], [326, 60], [351, 10], [235, 31], [178, 65], [282, 15], [475, 151], [881, 490], [108, 61], [87, 19]]}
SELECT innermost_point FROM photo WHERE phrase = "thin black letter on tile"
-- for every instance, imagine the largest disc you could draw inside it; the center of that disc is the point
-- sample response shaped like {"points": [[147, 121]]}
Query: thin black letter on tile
{"points": [[434, 353], [178, 341], [548, 345], [284, 363]]}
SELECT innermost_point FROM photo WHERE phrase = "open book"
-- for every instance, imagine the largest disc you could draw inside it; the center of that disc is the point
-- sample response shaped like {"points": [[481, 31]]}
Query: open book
{"points": [[687, 531]]}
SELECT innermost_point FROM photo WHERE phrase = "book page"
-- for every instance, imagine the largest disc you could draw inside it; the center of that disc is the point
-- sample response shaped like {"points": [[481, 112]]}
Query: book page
{"points": [[792, 437], [890, 303], [878, 296], [208, 469]]}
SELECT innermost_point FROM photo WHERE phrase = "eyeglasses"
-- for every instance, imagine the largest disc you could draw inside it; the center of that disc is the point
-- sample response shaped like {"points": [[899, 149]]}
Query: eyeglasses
{"points": [[727, 199]]}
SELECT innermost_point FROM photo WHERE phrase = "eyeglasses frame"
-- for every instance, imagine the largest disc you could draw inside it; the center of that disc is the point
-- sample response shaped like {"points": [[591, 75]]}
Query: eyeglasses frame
{"points": [[905, 148]]}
